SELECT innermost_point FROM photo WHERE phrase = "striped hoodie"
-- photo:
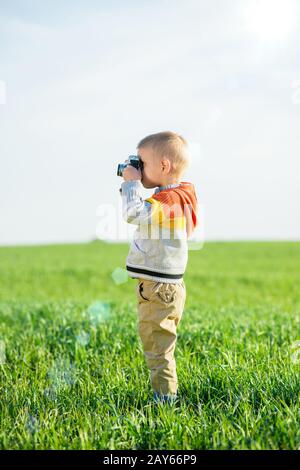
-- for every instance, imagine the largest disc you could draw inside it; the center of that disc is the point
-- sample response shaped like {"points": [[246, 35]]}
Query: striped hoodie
{"points": [[164, 221]]}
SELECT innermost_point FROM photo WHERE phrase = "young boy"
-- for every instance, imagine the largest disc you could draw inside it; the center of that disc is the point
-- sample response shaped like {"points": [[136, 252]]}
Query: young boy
{"points": [[158, 254]]}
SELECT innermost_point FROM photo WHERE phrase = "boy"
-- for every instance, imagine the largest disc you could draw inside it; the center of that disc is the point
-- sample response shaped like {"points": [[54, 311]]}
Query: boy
{"points": [[158, 253]]}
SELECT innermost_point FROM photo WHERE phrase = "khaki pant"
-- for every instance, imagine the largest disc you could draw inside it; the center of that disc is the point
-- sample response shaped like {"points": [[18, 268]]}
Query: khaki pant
{"points": [[160, 308]]}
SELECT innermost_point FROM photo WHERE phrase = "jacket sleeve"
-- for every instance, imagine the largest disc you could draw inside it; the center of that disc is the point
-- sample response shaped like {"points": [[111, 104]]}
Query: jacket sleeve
{"points": [[135, 209]]}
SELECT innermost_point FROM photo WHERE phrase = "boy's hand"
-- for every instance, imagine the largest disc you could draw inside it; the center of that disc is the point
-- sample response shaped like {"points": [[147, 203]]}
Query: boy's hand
{"points": [[130, 173]]}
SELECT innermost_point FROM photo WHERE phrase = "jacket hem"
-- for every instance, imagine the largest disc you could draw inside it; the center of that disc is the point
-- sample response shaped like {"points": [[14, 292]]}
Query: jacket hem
{"points": [[148, 274]]}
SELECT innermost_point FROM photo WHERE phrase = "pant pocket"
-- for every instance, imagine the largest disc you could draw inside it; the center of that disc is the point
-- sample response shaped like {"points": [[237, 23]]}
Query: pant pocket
{"points": [[142, 292], [147, 289]]}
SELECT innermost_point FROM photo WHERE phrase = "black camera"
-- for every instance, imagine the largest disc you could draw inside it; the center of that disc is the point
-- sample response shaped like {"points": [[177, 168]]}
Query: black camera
{"points": [[133, 160]]}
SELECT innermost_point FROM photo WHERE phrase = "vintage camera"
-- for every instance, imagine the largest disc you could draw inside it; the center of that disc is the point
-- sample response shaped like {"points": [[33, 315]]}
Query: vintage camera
{"points": [[133, 160]]}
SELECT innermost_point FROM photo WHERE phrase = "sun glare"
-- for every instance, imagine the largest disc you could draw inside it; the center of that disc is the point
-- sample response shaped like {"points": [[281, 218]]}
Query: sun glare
{"points": [[270, 19]]}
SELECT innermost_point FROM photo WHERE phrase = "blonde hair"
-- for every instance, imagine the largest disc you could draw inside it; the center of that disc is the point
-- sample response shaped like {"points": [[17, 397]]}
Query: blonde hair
{"points": [[170, 145]]}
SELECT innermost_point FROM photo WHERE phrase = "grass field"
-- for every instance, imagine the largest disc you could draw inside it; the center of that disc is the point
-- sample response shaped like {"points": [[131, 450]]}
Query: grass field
{"points": [[72, 371]]}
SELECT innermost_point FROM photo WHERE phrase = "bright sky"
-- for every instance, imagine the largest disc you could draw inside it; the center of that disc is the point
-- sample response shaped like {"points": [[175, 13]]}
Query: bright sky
{"points": [[82, 82]]}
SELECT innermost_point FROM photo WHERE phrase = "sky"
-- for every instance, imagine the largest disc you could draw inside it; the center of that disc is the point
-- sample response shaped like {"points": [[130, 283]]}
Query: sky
{"points": [[81, 83]]}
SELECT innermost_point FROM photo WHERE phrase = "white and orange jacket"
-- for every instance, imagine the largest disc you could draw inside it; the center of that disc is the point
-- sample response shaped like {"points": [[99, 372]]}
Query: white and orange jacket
{"points": [[165, 221]]}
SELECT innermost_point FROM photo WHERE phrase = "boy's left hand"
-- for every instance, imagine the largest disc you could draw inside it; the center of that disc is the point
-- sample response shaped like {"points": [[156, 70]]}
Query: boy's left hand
{"points": [[130, 173]]}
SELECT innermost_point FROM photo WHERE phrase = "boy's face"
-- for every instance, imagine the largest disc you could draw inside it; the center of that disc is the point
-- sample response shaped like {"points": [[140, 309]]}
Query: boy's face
{"points": [[152, 173]]}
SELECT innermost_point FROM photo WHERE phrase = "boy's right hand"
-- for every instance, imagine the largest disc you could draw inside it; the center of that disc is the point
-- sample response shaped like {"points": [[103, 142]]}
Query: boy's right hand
{"points": [[131, 174]]}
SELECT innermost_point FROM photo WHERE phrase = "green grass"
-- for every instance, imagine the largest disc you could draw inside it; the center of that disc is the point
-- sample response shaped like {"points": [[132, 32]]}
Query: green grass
{"points": [[71, 379]]}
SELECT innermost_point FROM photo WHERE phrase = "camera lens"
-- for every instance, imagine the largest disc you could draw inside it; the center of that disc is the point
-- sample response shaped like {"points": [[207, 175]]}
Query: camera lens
{"points": [[121, 167]]}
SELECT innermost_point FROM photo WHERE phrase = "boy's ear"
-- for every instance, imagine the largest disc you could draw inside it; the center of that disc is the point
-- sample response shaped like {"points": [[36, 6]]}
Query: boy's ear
{"points": [[166, 165]]}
